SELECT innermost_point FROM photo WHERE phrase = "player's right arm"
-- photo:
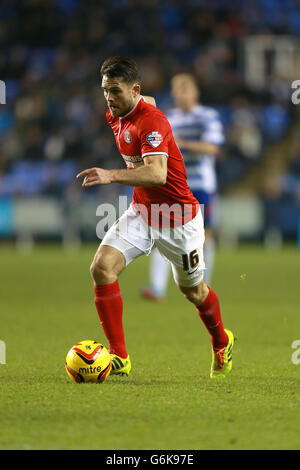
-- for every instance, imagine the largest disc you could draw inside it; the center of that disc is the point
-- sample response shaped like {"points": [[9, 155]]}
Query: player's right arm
{"points": [[152, 173]]}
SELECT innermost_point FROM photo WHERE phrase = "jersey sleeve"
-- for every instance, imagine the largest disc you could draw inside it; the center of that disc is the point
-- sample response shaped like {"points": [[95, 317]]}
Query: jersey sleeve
{"points": [[155, 135]]}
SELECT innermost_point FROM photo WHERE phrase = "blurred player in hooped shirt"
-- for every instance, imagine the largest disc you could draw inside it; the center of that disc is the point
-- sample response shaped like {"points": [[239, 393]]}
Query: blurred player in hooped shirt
{"points": [[198, 133], [156, 169]]}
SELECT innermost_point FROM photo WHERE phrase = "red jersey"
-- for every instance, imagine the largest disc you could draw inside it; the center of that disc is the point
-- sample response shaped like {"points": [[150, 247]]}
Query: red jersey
{"points": [[144, 131]]}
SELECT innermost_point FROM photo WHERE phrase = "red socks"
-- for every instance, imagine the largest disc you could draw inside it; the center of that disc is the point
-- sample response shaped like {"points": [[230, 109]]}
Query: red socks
{"points": [[210, 314], [109, 305]]}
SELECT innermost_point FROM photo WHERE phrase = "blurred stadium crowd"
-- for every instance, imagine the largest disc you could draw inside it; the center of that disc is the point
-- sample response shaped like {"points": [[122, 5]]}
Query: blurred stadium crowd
{"points": [[53, 123]]}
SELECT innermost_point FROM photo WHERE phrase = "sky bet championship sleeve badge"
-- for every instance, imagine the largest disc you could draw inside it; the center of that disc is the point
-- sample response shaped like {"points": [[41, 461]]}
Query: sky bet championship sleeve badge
{"points": [[154, 139], [127, 137]]}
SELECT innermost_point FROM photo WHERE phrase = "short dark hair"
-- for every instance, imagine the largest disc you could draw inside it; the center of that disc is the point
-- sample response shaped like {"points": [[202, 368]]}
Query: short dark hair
{"points": [[121, 67]]}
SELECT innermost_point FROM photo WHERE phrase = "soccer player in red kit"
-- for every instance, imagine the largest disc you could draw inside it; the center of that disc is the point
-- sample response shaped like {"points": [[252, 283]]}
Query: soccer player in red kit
{"points": [[164, 213]]}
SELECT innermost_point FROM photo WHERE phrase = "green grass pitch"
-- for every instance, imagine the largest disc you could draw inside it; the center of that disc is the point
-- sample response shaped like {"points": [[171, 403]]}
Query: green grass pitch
{"points": [[168, 401]]}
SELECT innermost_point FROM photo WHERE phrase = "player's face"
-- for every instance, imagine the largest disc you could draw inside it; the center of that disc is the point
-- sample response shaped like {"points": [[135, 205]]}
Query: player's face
{"points": [[121, 97], [185, 94]]}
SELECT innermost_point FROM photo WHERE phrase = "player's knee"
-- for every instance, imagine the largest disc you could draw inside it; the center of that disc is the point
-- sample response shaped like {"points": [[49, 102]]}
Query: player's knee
{"points": [[102, 270], [107, 265], [193, 297], [197, 294], [95, 271]]}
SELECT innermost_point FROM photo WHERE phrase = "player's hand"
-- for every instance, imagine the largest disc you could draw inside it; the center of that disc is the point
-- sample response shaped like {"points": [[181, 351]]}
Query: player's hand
{"points": [[93, 176]]}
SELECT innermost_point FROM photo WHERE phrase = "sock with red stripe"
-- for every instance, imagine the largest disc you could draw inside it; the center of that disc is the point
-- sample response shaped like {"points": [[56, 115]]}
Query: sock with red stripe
{"points": [[109, 305], [210, 313]]}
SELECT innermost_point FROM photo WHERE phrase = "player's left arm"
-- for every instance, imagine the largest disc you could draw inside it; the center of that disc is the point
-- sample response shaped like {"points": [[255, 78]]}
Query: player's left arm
{"points": [[154, 135], [152, 173], [211, 140], [198, 147]]}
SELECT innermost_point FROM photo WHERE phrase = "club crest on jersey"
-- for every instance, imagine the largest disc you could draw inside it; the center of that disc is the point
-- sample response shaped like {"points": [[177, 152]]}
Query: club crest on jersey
{"points": [[154, 139], [127, 137]]}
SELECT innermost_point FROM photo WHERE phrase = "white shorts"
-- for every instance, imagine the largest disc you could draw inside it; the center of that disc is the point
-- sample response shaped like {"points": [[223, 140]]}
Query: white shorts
{"points": [[182, 246]]}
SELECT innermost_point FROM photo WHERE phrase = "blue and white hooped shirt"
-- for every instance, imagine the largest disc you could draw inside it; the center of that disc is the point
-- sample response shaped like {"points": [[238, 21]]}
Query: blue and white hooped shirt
{"points": [[202, 123]]}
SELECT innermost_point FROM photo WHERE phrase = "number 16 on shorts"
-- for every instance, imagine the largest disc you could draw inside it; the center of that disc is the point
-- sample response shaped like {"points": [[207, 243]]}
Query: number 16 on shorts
{"points": [[190, 260]]}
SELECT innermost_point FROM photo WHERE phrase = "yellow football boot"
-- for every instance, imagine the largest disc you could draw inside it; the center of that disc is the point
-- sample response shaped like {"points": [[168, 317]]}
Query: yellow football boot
{"points": [[222, 359], [120, 366]]}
